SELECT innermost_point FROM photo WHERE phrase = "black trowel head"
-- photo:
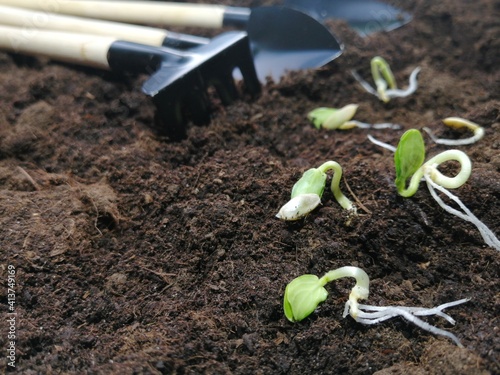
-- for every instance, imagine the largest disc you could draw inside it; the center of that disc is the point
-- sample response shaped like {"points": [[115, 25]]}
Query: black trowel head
{"points": [[364, 16]]}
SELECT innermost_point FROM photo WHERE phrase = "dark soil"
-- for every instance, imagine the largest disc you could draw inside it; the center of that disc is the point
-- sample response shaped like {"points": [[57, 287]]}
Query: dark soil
{"points": [[135, 254]]}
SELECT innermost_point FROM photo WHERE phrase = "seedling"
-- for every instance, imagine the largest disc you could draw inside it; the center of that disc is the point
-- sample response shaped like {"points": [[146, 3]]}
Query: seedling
{"points": [[307, 192], [385, 83], [341, 119], [409, 161], [458, 123], [306, 292]]}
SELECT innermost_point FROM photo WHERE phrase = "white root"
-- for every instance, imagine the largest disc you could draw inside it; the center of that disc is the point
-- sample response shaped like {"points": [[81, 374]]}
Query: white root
{"points": [[488, 236], [457, 123], [387, 146], [365, 125], [367, 314]]}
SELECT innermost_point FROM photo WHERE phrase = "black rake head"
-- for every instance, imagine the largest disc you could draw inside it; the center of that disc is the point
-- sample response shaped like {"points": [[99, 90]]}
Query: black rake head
{"points": [[179, 86]]}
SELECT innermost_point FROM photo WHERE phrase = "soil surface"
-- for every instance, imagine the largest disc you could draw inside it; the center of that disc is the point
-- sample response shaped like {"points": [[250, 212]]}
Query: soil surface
{"points": [[136, 254]]}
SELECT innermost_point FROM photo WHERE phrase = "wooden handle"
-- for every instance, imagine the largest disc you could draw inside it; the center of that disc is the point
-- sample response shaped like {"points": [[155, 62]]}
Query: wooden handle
{"points": [[34, 20], [82, 49], [143, 12]]}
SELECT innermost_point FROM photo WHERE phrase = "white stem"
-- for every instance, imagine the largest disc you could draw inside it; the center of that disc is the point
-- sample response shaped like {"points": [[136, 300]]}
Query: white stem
{"points": [[430, 167], [335, 184], [359, 291]]}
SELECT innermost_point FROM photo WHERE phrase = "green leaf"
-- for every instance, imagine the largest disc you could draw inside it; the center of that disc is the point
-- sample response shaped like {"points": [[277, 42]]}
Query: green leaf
{"points": [[312, 182], [409, 157], [302, 296]]}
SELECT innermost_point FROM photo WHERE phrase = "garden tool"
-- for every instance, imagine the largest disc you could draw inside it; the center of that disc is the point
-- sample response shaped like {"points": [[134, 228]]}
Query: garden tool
{"points": [[282, 39], [364, 16], [179, 79]]}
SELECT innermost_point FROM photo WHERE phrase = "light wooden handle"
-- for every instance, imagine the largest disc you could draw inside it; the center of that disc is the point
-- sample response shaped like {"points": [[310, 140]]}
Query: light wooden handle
{"points": [[82, 49], [143, 12], [35, 20]]}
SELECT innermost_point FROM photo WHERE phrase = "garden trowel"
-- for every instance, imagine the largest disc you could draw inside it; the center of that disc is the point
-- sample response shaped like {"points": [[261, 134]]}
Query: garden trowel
{"points": [[365, 16]]}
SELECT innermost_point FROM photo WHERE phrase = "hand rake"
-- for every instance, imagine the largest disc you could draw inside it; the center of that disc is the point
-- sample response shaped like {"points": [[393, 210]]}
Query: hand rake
{"points": [[179, 79]]}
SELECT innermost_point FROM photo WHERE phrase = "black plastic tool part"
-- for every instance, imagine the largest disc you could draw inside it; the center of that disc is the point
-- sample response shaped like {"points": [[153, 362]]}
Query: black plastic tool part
{"points": [[180, 79], [237, 17], [184, 41]]}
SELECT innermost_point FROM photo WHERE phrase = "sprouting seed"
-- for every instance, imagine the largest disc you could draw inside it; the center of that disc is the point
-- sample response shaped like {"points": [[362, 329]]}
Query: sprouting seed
{"points": [[341, 119], [409, 162], [458, 123], [332, 118], [383, 77], [306, 292], [385, 83], [307, 192]]}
